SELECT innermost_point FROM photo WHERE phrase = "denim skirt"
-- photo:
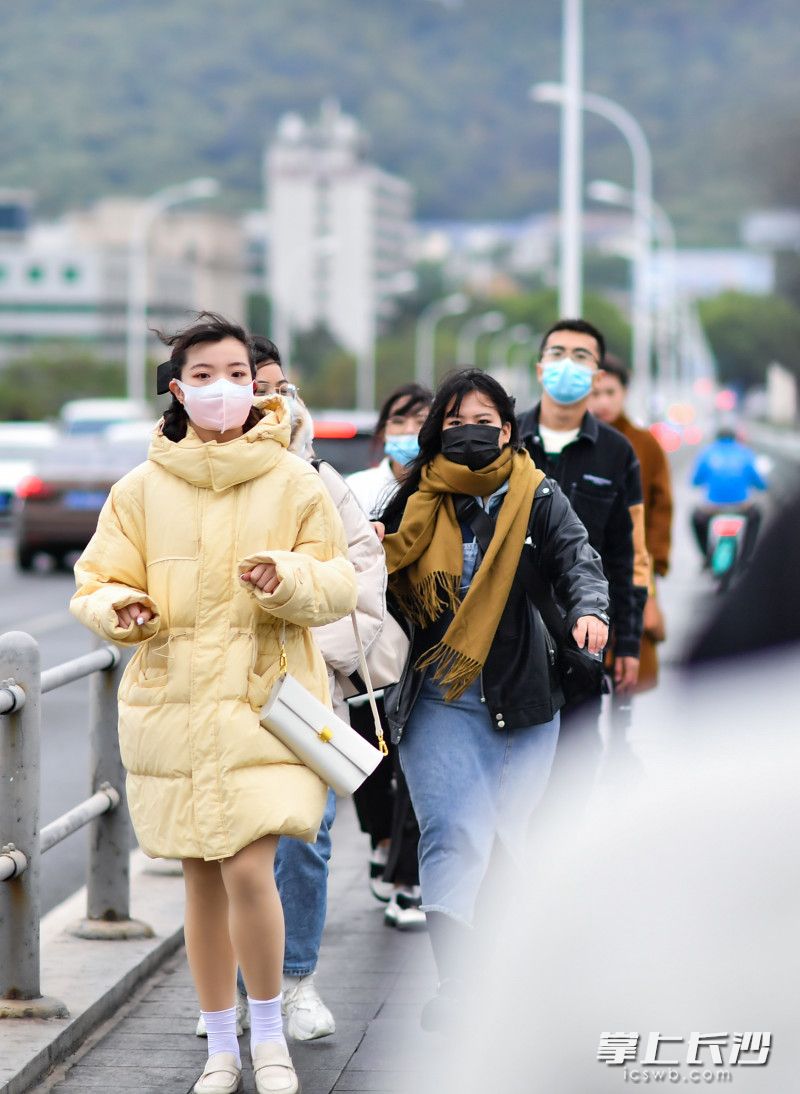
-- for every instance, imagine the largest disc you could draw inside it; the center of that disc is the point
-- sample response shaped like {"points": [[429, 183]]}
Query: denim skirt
{"points": [[470, 785]]}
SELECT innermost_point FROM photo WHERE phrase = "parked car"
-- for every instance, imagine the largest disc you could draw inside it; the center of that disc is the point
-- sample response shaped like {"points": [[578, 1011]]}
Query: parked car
{"points": [[56, 507], [84, 417], [21, 444], [344, 438]]}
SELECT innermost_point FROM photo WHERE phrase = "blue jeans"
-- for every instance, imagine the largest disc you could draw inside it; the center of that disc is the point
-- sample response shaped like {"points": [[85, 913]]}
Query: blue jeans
{"points": [[301, 871], [470, 784]]}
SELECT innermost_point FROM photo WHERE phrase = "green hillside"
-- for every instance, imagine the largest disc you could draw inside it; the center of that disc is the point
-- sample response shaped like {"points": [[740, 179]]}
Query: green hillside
{"points": [[106, 96]]}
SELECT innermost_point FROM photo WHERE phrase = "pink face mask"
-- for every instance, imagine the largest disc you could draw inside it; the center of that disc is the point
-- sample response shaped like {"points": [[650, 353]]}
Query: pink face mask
{"points": [[219, 406]]}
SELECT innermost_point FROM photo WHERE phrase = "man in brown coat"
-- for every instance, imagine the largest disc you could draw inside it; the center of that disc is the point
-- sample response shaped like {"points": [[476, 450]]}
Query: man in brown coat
{"points": [[608, 404]]}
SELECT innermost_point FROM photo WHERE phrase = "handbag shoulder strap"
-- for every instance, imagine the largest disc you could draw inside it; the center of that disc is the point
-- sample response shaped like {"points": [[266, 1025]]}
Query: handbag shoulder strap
{"points": [[365, 675], [376, 718]]}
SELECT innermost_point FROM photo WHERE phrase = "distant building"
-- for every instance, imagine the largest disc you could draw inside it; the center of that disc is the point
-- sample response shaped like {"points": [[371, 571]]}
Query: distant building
{"points": [[772, 229], [475, 253], [708, 271], [339, 231], [69, 280]]}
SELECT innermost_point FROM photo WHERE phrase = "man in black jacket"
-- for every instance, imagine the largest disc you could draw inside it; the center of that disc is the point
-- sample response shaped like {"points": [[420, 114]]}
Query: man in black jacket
{"points": [[597, 469]]}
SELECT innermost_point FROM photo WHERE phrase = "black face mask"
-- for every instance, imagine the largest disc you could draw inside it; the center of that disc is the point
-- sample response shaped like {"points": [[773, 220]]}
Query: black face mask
{"points": [[474, 446]]}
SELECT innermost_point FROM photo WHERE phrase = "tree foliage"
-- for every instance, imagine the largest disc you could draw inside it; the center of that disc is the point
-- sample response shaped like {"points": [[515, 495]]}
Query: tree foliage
{"points": [[748, 333], [35, 386], [129, 96]]}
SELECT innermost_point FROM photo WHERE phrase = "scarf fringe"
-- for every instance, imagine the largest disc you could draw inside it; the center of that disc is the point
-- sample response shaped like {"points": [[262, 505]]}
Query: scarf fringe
{"points": [[425, 602], [454, 671]]}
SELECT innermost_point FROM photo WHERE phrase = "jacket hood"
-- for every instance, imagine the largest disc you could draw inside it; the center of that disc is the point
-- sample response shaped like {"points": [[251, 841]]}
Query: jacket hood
{"points": [[214, 466]]}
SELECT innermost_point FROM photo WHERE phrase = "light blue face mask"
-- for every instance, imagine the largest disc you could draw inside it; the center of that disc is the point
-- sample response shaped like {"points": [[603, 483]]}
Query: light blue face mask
{"points": [[402, 448], [567, 381]]}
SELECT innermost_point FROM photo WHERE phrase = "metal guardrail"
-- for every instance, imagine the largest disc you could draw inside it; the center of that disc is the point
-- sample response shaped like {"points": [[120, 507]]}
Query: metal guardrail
{"points": [[22, 843]]}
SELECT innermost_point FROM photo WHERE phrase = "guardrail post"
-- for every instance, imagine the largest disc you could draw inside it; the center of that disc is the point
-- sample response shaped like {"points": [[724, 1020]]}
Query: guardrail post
{"points": [[20, 774], [108, 884]]}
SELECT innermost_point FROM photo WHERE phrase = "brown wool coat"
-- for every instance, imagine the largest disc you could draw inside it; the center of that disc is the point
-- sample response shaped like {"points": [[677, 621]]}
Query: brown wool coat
{"points": [[657, 495]]}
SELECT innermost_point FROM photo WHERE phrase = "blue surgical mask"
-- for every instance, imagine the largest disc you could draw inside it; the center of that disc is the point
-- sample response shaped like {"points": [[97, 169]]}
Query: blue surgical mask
{"points": [[567, 381], [402, 448]]}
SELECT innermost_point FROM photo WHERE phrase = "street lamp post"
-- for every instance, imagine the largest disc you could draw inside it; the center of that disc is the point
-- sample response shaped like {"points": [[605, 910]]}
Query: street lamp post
{"points": [[425, 348], [500, 358], [399, 283], [611, 193], [136, 324], [470, 334], [570, 287], [643, 204], [503, 343]]}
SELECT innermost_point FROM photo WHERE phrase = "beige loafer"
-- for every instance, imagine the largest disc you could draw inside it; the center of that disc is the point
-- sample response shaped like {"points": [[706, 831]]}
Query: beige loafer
{"points": [[274, 1070], [221, 1075]]}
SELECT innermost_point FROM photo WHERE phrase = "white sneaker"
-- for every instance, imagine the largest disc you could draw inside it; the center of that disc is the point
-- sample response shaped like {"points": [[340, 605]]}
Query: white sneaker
{"points": [[307, 1017], [242, 1017], [403, 910], [380, 889]]}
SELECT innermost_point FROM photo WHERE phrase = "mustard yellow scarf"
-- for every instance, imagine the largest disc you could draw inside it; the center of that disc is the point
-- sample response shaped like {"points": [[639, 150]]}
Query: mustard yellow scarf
{"points": [[425, 556]]}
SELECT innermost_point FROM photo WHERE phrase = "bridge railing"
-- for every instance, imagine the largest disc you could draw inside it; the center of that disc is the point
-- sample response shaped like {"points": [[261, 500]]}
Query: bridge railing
{"points": [[23, 842]]}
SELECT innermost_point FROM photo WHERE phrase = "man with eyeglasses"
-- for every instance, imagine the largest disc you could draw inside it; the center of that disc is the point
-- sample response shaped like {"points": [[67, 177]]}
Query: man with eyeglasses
{"points": [[597, 469]]}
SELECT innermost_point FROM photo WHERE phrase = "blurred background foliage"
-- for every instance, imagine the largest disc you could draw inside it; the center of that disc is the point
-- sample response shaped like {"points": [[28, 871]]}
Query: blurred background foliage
{"points": [[35, 385], [130, 96]]}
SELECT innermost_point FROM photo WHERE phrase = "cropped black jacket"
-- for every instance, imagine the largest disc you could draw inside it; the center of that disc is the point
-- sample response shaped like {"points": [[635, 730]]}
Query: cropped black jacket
{"points": [[519, 682]]}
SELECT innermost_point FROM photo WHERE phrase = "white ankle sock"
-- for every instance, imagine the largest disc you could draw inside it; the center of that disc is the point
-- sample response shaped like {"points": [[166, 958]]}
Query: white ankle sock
{"points": [[266, 1022], [221, 1029]]}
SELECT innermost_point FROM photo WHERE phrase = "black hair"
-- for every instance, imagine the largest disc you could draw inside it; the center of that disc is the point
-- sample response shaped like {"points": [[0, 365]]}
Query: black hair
{"points": [[615, 367], [452, 390], [411, 397], [581, 326], [207, 327], [265, 351]]}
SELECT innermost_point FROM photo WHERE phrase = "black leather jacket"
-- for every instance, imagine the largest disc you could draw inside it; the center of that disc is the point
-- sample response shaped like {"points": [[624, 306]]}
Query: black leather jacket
{"points": [[519, 682]]}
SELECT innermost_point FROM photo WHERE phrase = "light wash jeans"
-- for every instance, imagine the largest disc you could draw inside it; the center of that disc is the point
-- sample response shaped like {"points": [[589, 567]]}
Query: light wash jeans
{"points": [[470, 784], [301, 871]]}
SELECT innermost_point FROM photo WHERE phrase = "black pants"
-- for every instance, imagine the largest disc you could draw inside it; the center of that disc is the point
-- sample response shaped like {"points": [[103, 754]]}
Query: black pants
{"points": [[383, 805]]}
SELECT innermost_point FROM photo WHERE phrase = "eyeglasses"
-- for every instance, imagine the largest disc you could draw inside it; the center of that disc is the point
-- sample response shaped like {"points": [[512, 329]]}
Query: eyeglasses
{"points": [[283, 387], [558, 353]]}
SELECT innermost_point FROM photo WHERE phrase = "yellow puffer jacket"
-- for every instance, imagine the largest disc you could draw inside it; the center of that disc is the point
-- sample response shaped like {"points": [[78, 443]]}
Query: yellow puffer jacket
{"points": [[204, 778]]}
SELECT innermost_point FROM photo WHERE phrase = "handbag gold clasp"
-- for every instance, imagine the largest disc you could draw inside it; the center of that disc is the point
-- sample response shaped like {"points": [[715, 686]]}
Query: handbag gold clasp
{"points": [[325, 734], [283, 664], [382, 746]]}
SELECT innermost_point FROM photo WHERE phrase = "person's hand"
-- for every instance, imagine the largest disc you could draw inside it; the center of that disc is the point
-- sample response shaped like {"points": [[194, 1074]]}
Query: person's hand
{"points": [[653, 620], [134, 614], [264, 577], [591, 632], [380, 529], [626, 673]]}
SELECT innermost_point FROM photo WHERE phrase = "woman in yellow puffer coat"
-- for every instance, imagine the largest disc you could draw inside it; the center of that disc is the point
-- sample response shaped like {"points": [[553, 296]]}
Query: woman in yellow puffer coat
{"points": [[201, 555]]}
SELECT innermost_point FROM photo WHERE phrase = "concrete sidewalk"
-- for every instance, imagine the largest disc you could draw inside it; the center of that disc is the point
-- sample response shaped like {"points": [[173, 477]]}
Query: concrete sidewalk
{"points": [[374, 979]]}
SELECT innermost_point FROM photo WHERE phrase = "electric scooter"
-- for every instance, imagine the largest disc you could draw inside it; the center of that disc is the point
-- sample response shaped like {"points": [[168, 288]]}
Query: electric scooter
{"points": [[725, 546]]}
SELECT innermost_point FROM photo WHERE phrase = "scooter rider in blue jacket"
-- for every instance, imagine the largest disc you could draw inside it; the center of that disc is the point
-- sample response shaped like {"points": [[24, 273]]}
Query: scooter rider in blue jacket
{"points": [[727, 470]]}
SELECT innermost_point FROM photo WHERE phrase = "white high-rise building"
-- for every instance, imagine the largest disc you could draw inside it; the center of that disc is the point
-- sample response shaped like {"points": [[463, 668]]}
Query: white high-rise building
{"points": [[339, 235]]}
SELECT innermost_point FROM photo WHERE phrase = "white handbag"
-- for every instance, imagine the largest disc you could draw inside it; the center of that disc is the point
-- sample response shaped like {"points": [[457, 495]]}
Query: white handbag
{"points": [[318, 737]]}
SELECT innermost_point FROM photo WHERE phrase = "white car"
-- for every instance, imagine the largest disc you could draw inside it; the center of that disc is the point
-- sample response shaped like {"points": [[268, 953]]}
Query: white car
{"points": [[86, 417], [21, 446]]}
